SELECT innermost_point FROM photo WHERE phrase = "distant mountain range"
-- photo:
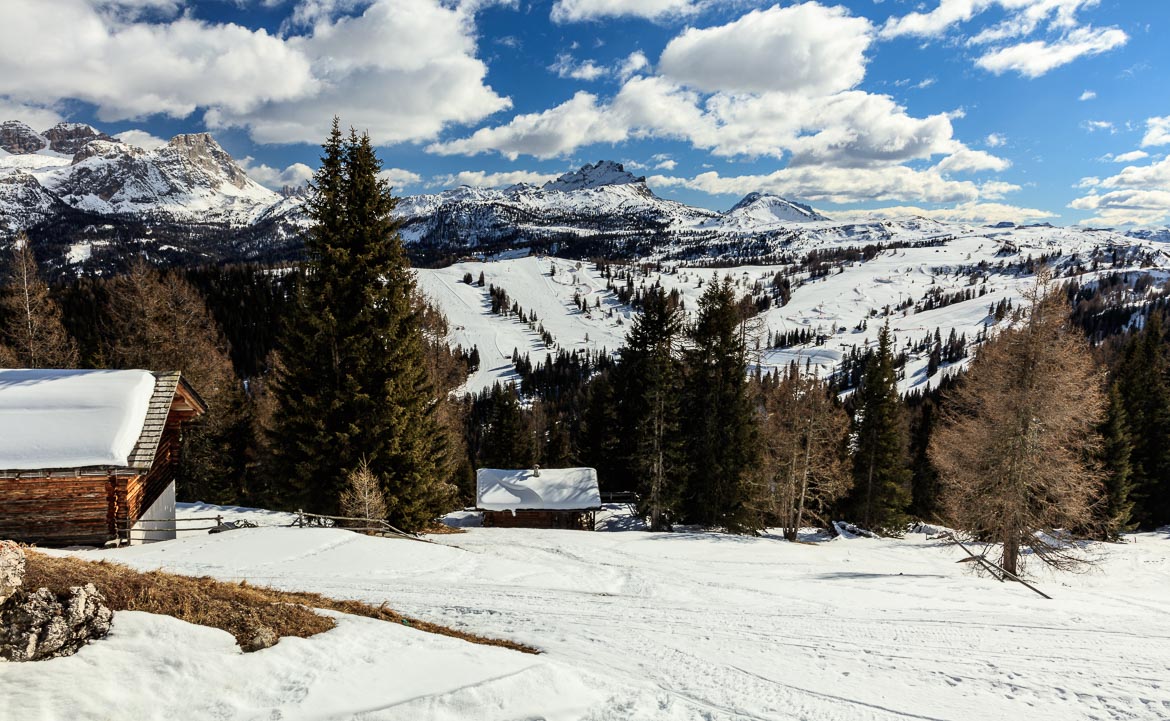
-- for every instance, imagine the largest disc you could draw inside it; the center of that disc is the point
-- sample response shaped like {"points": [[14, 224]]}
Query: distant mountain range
{"points": [[89, 200]]}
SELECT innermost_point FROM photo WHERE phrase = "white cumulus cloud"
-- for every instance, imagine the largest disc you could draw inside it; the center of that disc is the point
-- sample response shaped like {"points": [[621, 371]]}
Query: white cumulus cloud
{"points": [[1138, 195], [566, 66], [973, 212], [568, 11], [142, 139], [1035, 58], [807, 48], [402, 69], [548, 134], [485, 179], [294, 175], [1157, 132], [834, 185], [400, 177]]}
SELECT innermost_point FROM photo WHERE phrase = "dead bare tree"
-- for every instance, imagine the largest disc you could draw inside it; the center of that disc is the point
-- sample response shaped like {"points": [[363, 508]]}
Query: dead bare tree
{"points": [[158, 321], [803, 469], [362, 496], [1017, 437], [33, 332]]}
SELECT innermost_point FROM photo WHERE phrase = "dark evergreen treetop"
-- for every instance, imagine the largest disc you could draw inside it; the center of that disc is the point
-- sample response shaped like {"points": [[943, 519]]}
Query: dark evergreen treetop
{"points": [[354, 383], [719, 428]]}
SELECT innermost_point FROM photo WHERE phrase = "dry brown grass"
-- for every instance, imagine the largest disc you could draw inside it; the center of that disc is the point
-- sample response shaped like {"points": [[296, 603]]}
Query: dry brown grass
{"points": [[238, 608], [441, 529]]}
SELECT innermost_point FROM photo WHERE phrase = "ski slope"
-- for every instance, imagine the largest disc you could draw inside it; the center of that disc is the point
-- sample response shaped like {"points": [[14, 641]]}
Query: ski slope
{"points": [[635, 626], [833, 306]]}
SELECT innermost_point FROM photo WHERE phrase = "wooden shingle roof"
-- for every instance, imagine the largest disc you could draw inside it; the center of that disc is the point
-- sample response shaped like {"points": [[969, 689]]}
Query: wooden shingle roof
{"points": [[166, 386]]}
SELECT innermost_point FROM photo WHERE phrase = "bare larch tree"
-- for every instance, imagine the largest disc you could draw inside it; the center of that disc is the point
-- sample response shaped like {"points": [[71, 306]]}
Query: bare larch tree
{"points": [[1015, 447], [362, 496], [803, 470], [33, 331]]}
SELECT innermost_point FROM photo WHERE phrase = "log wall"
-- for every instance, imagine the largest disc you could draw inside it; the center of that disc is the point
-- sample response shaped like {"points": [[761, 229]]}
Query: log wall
{"points": [[59, 511], [574, 520]]}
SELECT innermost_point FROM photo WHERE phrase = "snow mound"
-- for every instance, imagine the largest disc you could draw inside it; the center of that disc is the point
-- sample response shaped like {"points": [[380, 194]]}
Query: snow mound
{"points": [[71, 418], [360, 669]]}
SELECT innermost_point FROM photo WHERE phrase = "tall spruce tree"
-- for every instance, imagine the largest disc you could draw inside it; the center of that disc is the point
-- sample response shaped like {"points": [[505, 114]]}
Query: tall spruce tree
{"points": [[651, 373], [602, 444], [924, 488], [1116, 506], [1145, 396], [718, 417], [881, 469], [354, 382], [32, 329]]}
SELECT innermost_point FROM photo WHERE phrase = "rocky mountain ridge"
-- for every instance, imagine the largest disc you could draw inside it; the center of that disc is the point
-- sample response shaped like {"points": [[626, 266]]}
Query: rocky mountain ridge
{"points": [[89, 200]]}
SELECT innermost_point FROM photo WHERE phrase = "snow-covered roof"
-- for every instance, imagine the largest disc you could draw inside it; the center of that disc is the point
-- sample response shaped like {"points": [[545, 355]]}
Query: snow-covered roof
{"points": [[71, 418], [555, 489]]}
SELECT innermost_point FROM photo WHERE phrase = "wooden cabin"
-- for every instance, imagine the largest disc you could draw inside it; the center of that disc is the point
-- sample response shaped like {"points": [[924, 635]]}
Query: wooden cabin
{"points": [[538, 498], [90, 456]]}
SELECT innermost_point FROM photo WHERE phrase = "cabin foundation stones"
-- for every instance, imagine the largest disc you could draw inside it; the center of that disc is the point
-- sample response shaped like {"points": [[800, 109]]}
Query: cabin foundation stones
{"points": [[38, 625]]}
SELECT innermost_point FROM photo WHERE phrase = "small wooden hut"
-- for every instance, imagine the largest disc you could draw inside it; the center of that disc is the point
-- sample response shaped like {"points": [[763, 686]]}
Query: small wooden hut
{"points": [[91, 456], [538, 498]]}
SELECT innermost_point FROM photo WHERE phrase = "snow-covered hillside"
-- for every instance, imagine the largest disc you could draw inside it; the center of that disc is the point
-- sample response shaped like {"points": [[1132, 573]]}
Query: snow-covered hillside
{"points": [[634, 626], [844, 308]]}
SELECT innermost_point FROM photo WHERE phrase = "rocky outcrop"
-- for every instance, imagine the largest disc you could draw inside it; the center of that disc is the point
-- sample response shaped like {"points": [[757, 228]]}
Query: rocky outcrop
{"points": [[40, 624], [259, 638], [68, 138], [19, 139], [197, 154], [11, 570]]}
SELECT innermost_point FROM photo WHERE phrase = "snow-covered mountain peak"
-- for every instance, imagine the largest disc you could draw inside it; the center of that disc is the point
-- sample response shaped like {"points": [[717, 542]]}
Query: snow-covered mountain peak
{"points": [[108, 149], [766, 208], [597, 175]]}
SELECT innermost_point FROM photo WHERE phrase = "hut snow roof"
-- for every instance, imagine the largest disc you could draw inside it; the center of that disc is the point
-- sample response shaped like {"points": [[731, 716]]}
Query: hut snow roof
{"points": [[555, 489], [51, 419]]}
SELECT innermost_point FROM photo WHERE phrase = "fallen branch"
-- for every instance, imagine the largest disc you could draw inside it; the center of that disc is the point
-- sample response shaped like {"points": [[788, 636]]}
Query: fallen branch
{"points": [[994, 567]]}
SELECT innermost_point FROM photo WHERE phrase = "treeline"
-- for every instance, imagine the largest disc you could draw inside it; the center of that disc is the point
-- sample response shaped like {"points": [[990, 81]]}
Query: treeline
{"points": [[678, 421]]}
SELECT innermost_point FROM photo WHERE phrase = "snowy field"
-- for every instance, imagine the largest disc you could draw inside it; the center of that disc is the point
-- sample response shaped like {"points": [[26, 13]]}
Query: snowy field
{"points": [[832, 306], [634, 626]]}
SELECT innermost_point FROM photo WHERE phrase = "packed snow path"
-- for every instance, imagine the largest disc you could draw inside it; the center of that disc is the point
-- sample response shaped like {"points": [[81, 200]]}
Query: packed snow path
{"points": [[644, 626]]}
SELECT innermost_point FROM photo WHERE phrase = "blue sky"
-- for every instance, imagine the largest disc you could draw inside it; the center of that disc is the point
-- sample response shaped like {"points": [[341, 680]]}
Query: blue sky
{"points": [[983, 110]]}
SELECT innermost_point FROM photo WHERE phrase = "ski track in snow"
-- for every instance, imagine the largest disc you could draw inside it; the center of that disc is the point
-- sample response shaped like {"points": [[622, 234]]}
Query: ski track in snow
{"points": [[642, 626]]}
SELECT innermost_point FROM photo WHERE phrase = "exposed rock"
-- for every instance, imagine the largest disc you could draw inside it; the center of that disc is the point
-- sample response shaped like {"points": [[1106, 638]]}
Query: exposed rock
{"points": [[260, 637], [598, 175], [11, 569], [68, 138], [199, 150], [19, 139], [41, 625]]}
